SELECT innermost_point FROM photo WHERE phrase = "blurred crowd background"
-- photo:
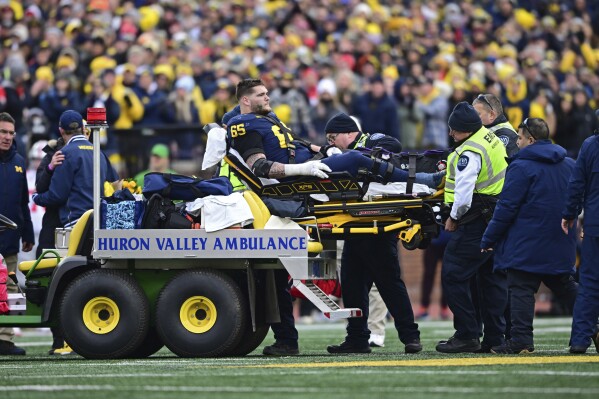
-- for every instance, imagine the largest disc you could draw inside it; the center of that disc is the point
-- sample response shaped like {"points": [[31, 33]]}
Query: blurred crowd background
{"points": [[164, 68]]}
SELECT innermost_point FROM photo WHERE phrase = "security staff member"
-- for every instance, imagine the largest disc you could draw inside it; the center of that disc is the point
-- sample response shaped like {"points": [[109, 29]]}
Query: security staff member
{"points": [[476, 171], [490, 110], [371, 259]]}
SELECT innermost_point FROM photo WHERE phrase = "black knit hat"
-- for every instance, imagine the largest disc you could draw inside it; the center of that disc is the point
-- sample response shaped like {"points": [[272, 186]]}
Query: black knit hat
{"points": [[341, 123], [464, 118]]}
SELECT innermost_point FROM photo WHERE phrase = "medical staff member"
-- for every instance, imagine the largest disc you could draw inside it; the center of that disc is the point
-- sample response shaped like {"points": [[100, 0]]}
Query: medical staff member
{"points": [[371, 258], [476, 171], [583, 193]]}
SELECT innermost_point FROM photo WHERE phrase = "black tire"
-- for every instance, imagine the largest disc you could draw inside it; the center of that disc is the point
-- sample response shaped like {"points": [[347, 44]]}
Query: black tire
{"points": [[104, 314], [150, 345], [200, 313], [425, 242], [413, 243], [250, 340]]}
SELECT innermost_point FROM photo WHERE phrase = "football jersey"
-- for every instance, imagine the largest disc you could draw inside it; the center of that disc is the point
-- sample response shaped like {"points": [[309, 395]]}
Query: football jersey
{"points": [[252, 134]]}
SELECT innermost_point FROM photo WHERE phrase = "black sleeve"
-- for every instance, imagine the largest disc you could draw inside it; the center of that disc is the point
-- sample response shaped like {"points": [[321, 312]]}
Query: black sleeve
{"points": [[511, 148], [248, 144], [43, 175]]}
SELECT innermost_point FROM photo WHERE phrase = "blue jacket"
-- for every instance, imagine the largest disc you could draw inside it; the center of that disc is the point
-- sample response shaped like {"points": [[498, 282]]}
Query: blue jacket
{"points": [[377, 114], [526, 226], [583, 188], [14, 201], [71, 187]]}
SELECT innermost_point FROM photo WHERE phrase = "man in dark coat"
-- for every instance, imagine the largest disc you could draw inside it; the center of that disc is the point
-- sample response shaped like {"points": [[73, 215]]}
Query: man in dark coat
{"points": [[583, 193], [525, 234], [377, 111], [14, 204], [367, 260]]}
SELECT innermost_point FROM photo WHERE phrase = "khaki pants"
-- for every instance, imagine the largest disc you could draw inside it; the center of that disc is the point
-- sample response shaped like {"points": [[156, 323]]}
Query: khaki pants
{"points": [[377, 312], [7, 333]]}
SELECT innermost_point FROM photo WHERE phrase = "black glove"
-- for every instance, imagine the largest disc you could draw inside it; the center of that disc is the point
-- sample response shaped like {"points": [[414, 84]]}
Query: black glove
{"points": [[127, 100], [324, 148], [210, 126]]}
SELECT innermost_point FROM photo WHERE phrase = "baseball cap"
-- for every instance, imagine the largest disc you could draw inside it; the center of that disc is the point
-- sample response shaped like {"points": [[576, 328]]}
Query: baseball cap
{"points": [[160, 150], [71, 120]]}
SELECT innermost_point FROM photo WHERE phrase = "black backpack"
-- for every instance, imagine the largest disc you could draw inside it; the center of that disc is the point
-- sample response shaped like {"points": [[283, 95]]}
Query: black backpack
{"points": [[162, 213]]}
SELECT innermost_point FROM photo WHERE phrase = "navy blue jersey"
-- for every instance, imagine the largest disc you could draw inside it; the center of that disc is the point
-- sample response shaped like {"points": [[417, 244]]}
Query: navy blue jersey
{"points": [[254, 134]]}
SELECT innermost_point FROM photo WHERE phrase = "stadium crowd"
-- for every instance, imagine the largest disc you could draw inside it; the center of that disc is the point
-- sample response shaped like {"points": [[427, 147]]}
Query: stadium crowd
{"points": [[399, 66]]}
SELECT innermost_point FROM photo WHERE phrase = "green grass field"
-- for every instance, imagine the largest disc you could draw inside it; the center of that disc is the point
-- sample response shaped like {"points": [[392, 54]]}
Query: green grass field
{"points": [[386, 373]]}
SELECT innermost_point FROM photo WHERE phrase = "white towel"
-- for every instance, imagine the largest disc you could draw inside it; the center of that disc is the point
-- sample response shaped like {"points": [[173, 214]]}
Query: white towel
{"points": [[221, 211]]}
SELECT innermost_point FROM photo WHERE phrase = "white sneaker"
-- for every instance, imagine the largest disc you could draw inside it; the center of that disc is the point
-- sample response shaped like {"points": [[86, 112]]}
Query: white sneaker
{"points": [[376, 341]]}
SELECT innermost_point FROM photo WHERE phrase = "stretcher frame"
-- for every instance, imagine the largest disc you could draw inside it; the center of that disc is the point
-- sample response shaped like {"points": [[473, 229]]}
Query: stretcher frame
{"points": [[415, 218]]}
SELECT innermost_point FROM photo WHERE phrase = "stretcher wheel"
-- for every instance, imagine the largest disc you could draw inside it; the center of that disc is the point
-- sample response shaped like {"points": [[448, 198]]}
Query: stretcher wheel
{"points": [[104, 314], [150, 345], [201, 313], [414, 243]]}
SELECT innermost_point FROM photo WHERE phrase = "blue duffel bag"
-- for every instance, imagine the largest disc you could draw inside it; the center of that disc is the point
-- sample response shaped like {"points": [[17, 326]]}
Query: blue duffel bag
{"points": [[185, 188]]}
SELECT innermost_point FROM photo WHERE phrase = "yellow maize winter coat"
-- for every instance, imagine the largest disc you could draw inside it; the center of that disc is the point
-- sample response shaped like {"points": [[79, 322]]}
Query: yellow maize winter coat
{"points": [[131, 111]]}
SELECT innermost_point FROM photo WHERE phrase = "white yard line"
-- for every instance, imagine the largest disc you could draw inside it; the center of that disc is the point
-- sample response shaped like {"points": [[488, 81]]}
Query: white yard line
{"points": [[530, 390]]}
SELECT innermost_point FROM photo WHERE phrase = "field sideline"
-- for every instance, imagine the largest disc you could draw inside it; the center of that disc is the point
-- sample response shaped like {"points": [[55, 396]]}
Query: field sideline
{"points": [[386, 373]]}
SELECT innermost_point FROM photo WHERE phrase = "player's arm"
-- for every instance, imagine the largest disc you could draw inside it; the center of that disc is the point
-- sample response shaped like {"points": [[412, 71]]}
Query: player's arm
{"points": [[265, 168], [249, 145]]}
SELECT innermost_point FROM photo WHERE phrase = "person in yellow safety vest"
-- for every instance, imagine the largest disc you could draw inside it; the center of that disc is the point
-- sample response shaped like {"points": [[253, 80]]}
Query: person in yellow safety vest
{"points": [[490, 110], [476, 172]]}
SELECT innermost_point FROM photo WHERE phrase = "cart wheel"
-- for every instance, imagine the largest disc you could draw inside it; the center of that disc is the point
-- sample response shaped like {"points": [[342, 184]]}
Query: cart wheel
{"points": [[104, 314], [150, 345], [199, 313], [251, 340]]}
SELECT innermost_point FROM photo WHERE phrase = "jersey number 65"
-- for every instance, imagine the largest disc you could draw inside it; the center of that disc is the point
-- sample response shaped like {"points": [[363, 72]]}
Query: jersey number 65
{"points": [[237, 130]]}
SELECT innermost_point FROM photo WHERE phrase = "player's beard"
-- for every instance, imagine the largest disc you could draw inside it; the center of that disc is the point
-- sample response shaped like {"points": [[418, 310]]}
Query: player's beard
{"points": [[261, 109]]}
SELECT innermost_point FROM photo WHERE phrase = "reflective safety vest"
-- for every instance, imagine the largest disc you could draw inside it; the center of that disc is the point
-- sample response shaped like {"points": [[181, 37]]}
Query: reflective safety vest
{"points": [[503, 125], [225, 170], [492, 174], [361, 142]]}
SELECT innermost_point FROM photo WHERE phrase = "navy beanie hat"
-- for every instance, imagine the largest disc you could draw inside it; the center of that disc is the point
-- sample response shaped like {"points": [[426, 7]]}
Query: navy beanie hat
{"points": [[464, 118], [341, 123]]}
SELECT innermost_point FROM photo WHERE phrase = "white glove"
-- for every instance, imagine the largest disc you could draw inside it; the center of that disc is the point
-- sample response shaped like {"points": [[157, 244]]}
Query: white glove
{"points": [[311, 168], [333, 151]]}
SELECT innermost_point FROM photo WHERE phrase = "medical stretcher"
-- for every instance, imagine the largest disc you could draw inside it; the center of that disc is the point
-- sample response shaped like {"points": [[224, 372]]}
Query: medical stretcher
{"points": [[349, 210]]}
